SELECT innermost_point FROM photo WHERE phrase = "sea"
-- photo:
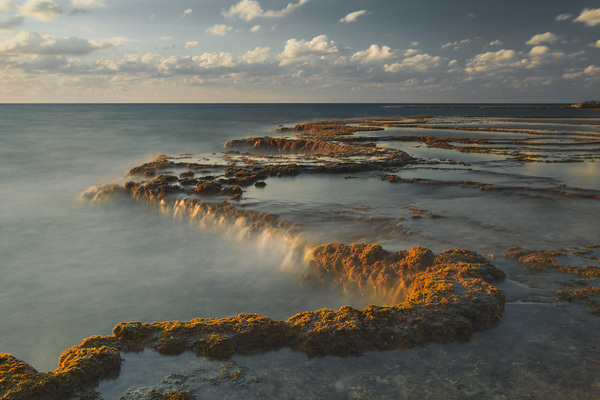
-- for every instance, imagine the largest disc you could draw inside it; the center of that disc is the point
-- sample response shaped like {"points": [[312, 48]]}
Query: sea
{"points": [[71, 268]]}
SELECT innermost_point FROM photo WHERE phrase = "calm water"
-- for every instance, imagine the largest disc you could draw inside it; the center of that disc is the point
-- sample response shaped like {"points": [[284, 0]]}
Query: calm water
{"points": [[70, 269]]}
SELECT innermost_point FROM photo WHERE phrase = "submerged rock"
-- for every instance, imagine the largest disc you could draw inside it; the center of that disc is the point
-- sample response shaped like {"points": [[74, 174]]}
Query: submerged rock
{"points": [[589, 296], [541, 260]]}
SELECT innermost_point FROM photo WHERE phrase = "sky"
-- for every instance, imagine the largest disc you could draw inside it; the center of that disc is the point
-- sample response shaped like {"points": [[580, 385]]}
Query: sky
{"points": [[383, 51]]}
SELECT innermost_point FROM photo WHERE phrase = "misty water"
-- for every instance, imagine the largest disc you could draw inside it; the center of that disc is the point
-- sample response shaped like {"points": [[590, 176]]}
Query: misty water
{"points": [[71, 268]]}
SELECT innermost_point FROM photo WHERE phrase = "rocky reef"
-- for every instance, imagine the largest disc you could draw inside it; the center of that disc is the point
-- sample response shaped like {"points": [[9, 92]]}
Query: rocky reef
{"points": [[450, 298], [543, 260], [419, 297], [583, 263]]}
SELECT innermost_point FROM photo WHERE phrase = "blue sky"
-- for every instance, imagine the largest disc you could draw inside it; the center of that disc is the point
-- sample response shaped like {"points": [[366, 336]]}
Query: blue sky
{"points": [[299, 51]]}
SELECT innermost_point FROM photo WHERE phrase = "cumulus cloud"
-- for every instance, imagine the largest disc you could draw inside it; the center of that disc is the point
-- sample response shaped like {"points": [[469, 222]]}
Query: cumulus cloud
{"points": [[590, 17], [597, 44], [353, 16], [214, 60], [418, 62], [34, 43], [539, 55], [187, 12], [12, 24], [87, 3], [541, 38], [155, 64], [575, 73], [245, 9], [291, 7], [250, 9], [257, 56], [496, 43], [219, 30], [301, 50], [189, 45], [255, 28], [492, 61], [43, 10], [563, 17], [373, 53]]}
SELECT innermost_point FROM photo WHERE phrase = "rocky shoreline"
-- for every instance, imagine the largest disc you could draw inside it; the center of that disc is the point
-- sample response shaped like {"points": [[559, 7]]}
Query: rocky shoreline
{"points": [[450, 299], [428, 298]]}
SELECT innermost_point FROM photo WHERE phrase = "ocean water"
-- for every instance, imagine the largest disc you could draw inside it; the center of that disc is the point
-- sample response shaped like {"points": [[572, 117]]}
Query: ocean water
{"points": [[70, 269]]}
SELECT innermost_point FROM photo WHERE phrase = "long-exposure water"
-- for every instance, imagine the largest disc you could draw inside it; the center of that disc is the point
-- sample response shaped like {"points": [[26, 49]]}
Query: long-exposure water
{"points": [[71, 268]]}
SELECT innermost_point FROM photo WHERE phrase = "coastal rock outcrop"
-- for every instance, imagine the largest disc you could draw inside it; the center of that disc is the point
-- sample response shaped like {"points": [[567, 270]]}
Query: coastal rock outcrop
{"points": [[449, 299]]}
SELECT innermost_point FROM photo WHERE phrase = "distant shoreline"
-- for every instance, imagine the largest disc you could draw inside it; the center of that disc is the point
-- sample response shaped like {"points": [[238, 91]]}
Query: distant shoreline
{"points": [[505, 106]]}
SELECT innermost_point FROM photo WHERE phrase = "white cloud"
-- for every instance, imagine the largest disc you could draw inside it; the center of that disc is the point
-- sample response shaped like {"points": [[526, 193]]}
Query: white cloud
{"points": [[245, 9], [373, 53], [12, 24], [563, 17], [87, 3], [250, 9], [189, 45], [575, 73], [492, 61], [353, 16], [257, 56], [291, 7], [43, 10], [471, 15], [7, 5], [597, 44], [414, 44], [33, 43], [496, 43], [419, 62], [539, 51], [187, 12], [541, 38], [166, 38], [590, 17], [300, 50], [255, 28], [539, 55], [219, 29], [214, 60]]}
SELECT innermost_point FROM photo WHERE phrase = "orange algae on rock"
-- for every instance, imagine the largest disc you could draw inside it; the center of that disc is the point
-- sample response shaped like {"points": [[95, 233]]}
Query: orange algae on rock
{"points": [[450, 298], [79, 368], [590, 297], [366, 269], [541, 260]]}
